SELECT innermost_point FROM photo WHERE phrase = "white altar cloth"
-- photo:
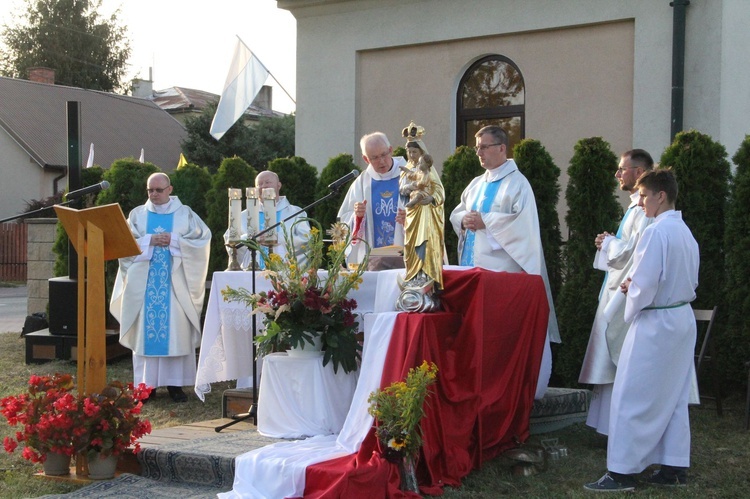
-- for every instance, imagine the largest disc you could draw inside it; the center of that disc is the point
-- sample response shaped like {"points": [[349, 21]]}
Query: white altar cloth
{"points": [[226, 346], [278, 470], [299, 397]]}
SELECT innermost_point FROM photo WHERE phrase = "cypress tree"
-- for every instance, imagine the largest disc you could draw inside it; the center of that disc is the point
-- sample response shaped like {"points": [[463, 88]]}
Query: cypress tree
{"points": [[233, 172], [297, 178], [191, 183], [459, 169], [337, 167], [537, 166], [734, 345], [592, 208], [702, 172]]}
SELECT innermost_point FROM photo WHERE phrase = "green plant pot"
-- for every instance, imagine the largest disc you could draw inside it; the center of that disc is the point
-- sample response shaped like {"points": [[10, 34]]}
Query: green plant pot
{"points": [[102, 468], [56, 464]]}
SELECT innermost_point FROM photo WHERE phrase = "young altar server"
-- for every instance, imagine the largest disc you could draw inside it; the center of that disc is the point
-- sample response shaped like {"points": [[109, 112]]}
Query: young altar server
{"points": [[649, 421]]}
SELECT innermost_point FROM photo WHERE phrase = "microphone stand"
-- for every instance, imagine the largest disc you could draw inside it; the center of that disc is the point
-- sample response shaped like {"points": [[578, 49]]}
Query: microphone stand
{"points": [[253, 411], [34, 212]]}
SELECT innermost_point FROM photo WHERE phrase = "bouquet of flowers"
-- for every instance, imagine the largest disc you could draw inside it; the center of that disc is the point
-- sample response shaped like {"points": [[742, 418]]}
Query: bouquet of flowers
{"points": [[48, 413], [111, 419], [304, 304], [398, 410]]}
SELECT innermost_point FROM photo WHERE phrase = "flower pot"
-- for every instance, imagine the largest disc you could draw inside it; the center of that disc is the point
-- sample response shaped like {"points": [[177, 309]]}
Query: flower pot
{"points": [[408, 470], [56, 464], [102, 468], [308, 350]]}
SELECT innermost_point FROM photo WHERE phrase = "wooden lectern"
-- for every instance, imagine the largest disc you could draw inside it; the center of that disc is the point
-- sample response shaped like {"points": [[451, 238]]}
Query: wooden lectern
{"points": [[98, 234]]}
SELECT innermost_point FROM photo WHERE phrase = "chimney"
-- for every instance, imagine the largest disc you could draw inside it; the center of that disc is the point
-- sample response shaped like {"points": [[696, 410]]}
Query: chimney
{"points": [[264, 98], [143, 89], [42, 75]]}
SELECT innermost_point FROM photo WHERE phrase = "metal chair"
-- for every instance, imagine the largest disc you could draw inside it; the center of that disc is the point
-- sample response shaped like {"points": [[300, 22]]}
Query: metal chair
{"points": [[706, 355]]}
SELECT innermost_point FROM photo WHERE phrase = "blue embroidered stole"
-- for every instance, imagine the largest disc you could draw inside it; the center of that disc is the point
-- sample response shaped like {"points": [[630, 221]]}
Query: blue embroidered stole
{"points": [[482, 204], [156, 318], [384, 208], [262, 225]]}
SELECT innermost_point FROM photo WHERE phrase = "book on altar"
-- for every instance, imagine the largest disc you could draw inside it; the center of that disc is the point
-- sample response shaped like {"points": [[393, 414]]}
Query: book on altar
{"points": [[387, 251]]}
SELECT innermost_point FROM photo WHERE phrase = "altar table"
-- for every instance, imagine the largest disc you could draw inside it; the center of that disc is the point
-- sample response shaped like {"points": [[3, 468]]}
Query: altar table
{"points": [[299, 397], [487, 345]]}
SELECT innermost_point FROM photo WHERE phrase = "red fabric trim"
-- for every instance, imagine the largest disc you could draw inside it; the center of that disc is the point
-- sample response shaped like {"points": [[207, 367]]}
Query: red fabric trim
{"points": [[493, 328]]}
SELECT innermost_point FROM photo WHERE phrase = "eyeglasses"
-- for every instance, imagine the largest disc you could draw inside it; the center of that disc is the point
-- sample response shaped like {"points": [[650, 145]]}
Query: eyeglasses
{"points": [[379, 157], [157, 190], [622, 170], [484, 147]]}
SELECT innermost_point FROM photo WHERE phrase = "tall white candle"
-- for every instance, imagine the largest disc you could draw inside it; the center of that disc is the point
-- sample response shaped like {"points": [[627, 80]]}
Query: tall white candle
{"points": [[253, 211], [269, 209], [235, 213]]}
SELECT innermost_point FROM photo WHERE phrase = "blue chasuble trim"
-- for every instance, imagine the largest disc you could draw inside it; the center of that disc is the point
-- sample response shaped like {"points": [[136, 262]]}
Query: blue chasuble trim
{"points": [[483, 204], [156, 318], [384, 209]]}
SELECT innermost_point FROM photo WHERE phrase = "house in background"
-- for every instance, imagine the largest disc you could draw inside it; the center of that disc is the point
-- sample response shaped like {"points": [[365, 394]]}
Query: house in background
{"points": [[33, 135], [183, 103], [552, 70]]}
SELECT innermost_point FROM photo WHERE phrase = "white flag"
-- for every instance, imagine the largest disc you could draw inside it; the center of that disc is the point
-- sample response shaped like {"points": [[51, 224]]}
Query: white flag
{"points": [[142, 159], [245, 78], [90, 161]]}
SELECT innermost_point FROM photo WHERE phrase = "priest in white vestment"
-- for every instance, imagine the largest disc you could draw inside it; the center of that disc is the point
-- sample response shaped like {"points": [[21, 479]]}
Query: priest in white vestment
{"points": [[614, 255], [370, 207], [158, 295], [649, 423], [498, 226], [299, 232]]}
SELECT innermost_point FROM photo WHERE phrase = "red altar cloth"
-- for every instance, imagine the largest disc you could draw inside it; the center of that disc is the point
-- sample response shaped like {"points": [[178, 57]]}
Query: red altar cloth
{"points": [[488, 348]]}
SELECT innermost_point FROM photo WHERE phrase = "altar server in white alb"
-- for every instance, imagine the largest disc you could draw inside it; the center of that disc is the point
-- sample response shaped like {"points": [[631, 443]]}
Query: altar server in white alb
{"points": [[299, 232], [498, 226], [614, 255], [158, 295], [370, 207], [649, 423]]}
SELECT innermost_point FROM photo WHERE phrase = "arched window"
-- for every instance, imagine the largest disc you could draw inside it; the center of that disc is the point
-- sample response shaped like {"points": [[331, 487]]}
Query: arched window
{"points": [[491, 92]]}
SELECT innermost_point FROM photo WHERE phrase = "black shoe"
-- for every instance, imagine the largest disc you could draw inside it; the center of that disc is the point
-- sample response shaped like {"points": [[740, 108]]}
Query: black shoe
{"points": [[670, 476], [151, 396], [612, 482], [176, 394]]}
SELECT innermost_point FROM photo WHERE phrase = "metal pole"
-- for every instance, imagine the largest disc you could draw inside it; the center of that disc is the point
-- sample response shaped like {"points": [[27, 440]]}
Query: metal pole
{"points": [[678, 63], [73, 111]]}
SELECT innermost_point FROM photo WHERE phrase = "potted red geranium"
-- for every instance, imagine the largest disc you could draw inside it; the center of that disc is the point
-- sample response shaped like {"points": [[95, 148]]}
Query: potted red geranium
{"points": [[48, 415]]}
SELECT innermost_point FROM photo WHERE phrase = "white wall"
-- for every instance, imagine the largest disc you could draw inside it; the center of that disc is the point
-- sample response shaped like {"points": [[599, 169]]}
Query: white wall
{"points": [[22, 178]]}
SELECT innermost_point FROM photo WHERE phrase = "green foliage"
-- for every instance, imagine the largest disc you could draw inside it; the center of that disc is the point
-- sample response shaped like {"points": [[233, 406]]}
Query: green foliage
{"points": [[191, 183], [297, 180], [537, 166], [592, 209], [257, 144], [271, 138], [702, 172], [337, 167], [734, 343], [89, 176], [233, 172], [85, 50], [399, 151], [458, 171]]}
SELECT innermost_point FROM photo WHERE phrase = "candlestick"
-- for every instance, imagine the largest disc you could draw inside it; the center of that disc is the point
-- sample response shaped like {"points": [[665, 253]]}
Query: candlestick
{"points": [[253, 211], [235, 214]]}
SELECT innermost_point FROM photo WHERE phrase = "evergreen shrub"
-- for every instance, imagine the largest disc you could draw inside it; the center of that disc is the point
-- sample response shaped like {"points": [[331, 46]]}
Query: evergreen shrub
{"points": [[592, 209], [190, 183], [337, 167], [298, 180]]}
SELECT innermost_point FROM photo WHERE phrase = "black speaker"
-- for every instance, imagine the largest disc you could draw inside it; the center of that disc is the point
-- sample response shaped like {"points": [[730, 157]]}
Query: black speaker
{"points": [[63, 306]]}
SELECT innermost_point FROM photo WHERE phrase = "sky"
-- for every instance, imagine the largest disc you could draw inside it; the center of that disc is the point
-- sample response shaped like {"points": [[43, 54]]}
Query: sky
{"points": [[190, 43]]}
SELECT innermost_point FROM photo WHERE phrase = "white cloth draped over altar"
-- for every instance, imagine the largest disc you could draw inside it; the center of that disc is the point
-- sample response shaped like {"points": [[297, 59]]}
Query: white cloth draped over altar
{"points": [[226, 346]]}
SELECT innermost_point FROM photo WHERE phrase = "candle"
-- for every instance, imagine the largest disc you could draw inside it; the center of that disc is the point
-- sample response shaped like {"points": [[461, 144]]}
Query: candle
{"points": [[235, 213], [253, 211], [269, 210]]}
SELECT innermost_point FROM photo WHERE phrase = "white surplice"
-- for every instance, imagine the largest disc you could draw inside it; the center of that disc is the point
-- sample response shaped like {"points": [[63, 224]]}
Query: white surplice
{"points": [[189, 249], [359, 191], [300, 233], [511, 241], [649, 422], [605, 342]]}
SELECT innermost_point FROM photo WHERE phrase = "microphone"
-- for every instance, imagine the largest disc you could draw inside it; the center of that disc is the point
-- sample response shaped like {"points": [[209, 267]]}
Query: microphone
{"points": [[92, 189], [334, 186]]}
